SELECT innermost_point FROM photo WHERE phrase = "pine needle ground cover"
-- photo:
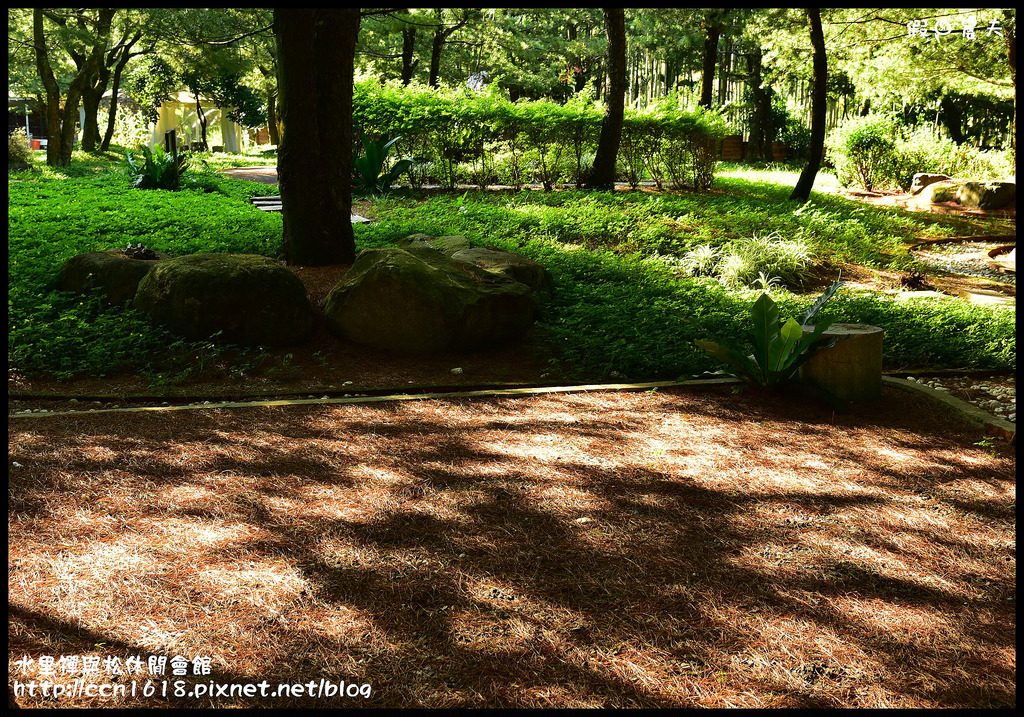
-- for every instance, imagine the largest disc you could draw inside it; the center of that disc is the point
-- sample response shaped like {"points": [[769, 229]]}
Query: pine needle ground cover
{"points": [[658, 549]]}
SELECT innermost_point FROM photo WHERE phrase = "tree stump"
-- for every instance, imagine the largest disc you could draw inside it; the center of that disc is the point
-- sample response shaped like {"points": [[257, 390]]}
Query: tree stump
{"points": [[852, 369]]}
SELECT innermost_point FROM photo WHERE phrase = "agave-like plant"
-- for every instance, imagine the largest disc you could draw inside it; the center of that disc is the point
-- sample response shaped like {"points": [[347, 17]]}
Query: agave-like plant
{"points": [[370, 177], [780, 348]]}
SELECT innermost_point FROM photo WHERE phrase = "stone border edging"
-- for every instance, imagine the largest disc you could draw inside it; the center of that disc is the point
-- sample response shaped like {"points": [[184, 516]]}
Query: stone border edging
{"points": [[993, 426], [485, 393]]}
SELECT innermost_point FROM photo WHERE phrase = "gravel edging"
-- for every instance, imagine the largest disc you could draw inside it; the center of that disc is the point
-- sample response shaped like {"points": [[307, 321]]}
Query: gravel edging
{"points": [[993, 425]]}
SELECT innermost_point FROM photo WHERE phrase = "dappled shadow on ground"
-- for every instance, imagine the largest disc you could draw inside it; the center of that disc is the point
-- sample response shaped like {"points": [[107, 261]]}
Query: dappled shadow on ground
{"points": [[665, 549]]}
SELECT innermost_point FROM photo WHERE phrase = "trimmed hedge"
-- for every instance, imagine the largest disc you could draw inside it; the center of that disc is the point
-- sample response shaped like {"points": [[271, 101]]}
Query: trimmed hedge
{"points": [[458, 136]]}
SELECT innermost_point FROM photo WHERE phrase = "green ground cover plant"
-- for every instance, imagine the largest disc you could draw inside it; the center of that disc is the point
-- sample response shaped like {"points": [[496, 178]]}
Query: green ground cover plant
{"points": [[622, 306], [52, 219]]}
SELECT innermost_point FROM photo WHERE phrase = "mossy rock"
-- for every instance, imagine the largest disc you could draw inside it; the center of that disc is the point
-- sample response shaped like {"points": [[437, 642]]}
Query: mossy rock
{"points": [[420, 301], [527, 271], [942, 191], [446, 245], [248, 299], [114, 273], [986, 195]]}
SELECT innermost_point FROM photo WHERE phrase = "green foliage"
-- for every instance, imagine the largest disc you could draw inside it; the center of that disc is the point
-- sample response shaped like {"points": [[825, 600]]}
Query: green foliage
{"points": [[863, 149], [18, 149], [52, 220], [767, 260], [614, 307], [920, 150], [457, 135], [157, 169], [877, 151], [370, 174], [780, 348]]}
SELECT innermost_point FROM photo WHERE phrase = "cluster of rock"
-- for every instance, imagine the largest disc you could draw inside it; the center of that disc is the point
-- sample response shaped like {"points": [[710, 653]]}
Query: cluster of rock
{"points": [[974, 195], [427, 294]]}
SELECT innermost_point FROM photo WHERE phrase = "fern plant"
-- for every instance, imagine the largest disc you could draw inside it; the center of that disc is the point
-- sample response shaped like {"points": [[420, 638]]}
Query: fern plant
{"points": [[156, 169]]}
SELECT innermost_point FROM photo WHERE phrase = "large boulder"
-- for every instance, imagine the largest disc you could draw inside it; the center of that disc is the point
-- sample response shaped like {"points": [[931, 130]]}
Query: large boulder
{"points": [[419, 301], [923, 179], [113, 272], [941, 191], [986, 195], [251, 300], [447, 245], [532, 273]]}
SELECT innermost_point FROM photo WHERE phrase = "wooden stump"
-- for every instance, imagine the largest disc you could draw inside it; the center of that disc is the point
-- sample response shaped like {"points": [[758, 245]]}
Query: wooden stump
{"points": [[852, 369]]}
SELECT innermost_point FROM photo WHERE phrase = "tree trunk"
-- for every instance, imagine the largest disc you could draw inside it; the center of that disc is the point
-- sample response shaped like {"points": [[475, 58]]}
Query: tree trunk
{"points": [[61, 124], [408, 48], [755, 142], [115, 87], [953, 118], [602, 175], [272, 127], [201, 116], [53, 145], [819, 103], [707, 72], [316, 61], [1009, 31]]}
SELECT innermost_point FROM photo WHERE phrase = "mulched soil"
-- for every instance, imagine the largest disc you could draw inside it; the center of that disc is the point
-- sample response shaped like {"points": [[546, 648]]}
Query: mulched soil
{"points": [[652, 549]]}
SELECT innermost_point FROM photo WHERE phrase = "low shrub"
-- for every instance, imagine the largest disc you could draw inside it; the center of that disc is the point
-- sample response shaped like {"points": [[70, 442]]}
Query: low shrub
{"points": [[18, 149], [863, 150]]}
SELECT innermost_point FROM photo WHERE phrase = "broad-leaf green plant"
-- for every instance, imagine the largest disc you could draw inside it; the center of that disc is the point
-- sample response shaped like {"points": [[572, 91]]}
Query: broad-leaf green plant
{"points": [[370, 175], [779, 347], [156, 169]]}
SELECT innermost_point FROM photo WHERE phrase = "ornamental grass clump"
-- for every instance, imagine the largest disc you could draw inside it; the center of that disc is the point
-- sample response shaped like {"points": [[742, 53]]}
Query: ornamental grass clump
{"points": [[760, 262]]}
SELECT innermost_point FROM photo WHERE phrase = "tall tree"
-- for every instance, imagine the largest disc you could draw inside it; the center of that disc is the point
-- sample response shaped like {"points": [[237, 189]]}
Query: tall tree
{"points": [[712, 30], [85, 37], [602, 175], [316, 61], [802, 190]]}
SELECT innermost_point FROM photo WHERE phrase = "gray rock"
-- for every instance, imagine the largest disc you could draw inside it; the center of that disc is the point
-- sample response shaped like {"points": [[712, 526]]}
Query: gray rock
{"points": [[532, 273], [447, 245], [941, 191], [419, 301], [986, 195], [923, 179], [250, 299], [116, 274]]}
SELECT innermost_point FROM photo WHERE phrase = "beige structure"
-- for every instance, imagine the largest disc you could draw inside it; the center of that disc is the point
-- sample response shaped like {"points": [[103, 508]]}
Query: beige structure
{"points": [[179, 113]]}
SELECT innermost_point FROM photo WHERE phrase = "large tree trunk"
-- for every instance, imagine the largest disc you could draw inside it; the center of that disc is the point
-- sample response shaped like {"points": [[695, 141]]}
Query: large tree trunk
{"points": [[316, 56], [802, 190], [91, 104], [602, 175], [707, 72]]}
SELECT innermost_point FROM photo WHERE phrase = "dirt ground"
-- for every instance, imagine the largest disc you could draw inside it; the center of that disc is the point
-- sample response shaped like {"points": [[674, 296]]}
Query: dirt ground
{"points": [[650, 549]]}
